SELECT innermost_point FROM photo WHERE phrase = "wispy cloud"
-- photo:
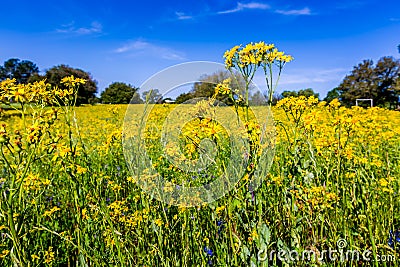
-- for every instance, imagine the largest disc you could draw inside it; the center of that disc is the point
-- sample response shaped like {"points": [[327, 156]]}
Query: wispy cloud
{"points": [[143, 47], [242, 6], [303, 11], [136, 45], [70, 28], [182, 16]]}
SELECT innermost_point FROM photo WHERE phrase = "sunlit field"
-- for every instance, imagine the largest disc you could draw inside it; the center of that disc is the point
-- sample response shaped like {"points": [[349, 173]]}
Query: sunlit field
{"points": [[299, 183], [68, 197]]}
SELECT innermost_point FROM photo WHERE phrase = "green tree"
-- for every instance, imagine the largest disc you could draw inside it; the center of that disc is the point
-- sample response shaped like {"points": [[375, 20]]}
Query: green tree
{"points": [[206, 87], [378, 82], [333, 94], [86, 91], [119, 93], [36, 77], [303, 92], [136, 99], [152, 96], [19, 70], [289, 94], [183, 98]]}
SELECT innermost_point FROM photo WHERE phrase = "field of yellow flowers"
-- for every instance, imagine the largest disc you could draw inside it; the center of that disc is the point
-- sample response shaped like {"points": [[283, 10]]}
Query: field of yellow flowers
{"points": [[68, 196]]}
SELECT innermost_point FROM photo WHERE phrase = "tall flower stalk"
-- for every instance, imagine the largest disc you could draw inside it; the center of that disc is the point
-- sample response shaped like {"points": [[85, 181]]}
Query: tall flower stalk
{"points": [[248, 59], [35, 139]]}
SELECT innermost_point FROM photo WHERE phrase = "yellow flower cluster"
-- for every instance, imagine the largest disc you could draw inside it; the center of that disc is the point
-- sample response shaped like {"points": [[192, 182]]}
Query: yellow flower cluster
{"points": [[33, 182], [117, 209], [49, 255], [38, 92], [314, 199], [253, 132], [219, 210], [198, 129], [4, 253], [223, 88], [49, 213], [71, 81], [297, 104], [255, 54]]}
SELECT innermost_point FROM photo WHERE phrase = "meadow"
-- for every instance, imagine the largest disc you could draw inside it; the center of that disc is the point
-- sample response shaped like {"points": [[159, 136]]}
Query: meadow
{"points": [[80, 188]]}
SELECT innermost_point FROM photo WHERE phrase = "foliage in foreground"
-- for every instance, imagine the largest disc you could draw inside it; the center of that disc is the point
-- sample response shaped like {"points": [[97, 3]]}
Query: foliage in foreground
{"points": [[67, 197]]}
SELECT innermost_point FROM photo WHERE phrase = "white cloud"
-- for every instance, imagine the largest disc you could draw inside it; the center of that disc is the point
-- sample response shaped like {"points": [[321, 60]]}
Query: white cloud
{"points": [[95, 27], [304, 11], [182, 16], [136, 45], [241, 6], [141, 47]]}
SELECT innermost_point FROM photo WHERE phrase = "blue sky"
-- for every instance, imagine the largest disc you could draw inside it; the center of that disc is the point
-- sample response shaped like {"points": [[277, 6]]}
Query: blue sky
{"points": [[129, 41]]}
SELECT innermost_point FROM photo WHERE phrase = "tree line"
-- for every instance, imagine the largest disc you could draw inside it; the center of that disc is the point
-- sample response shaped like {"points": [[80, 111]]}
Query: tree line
{"points": [[380, 82], [25, 71]]}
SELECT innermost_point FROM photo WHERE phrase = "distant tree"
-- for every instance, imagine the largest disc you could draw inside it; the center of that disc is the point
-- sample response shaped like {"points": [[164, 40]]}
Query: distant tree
{"points": [[379, 82], [36, 77], [303, 92], [93, 101], [333, 94], [21, 71], [85, 91], [276, 97], [118, 93], [136, 99], [257, 99], [308, 92], [206, 87], [152, 96], [183, 98], [289, 94]]}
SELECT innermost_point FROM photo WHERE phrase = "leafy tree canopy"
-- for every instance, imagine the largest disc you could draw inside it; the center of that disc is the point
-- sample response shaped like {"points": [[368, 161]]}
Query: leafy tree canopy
{"points": [[303, 92], [152, 96], [333, 94], [379, 82], [120, 93], [19, 70], [206, 87], [86, 92]]}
